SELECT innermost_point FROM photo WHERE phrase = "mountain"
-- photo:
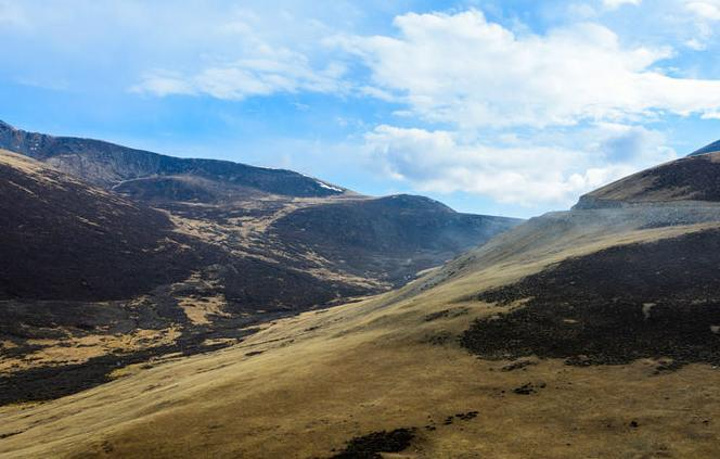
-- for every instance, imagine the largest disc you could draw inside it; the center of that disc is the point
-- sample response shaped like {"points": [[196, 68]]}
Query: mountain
{"points": [[396, 235], [588, 333], [693, 178], [108, 165], [106, 274]]}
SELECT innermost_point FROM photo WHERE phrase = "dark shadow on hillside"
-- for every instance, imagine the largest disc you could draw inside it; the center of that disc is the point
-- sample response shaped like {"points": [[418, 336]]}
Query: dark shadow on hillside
{"points": [[656, 300]]}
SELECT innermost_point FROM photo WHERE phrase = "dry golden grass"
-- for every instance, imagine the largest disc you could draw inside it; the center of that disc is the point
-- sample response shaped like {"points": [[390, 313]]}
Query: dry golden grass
{"points": [[78, 349], [324, 377]]}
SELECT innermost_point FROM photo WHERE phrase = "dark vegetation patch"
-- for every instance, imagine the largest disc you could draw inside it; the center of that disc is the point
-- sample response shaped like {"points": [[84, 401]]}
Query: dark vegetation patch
{"points": [[370, 446], [51, 382], [690, 178], [62, 240], [518, 365], [439, 339], [468, 416], [528, 388], [697, 174], [446, 314], [655, 300]]}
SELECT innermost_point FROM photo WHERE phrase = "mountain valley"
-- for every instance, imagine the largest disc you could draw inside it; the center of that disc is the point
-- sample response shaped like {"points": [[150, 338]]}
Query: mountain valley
{"points": [[575, 334]]}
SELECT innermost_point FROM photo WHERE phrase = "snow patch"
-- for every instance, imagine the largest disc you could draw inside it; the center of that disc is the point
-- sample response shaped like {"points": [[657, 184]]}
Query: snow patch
{"points": [[329, 187]]}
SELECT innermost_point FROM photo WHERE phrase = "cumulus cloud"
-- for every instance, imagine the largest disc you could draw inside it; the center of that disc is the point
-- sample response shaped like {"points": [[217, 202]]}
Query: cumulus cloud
{"points": [[462, 69], [520, 172]]}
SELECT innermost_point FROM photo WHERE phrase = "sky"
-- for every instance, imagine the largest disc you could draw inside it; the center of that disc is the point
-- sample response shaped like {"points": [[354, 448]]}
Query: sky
{"points": [[504, 107]]}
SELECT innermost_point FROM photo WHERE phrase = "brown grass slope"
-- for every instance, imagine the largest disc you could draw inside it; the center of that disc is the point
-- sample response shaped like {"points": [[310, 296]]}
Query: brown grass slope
{"points": [[329, 383], [693, 178]]}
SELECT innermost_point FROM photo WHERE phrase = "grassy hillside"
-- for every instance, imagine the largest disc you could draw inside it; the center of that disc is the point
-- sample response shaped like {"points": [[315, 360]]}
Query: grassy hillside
{"points": [[314, 385]]}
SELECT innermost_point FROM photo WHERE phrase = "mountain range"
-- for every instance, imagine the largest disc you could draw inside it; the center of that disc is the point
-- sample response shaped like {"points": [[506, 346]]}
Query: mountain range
{"points": [[124, 255], [592, 332]]}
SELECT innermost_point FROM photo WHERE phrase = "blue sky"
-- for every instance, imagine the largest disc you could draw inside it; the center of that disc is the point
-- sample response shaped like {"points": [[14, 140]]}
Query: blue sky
{"points": [[511, 107]]}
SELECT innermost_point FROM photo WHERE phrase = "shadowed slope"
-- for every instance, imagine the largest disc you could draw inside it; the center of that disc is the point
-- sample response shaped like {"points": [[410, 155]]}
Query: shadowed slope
{"points": [[391, 238], [63, 240]]}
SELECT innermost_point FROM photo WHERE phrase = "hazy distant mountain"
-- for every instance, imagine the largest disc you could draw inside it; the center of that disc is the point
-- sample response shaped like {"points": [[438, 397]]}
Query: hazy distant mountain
{"points": [[711, 148], [107, 165]]}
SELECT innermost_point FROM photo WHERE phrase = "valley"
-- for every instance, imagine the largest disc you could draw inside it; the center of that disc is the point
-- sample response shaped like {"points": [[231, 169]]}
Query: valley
{"points": [[123, 256], [586, 333]]}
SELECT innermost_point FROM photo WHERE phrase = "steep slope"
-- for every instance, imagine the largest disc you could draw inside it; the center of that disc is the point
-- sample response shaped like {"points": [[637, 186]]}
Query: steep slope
{"points": [[589, 333], [694, 178], [391, 238], [65, 241], [107, 165]]}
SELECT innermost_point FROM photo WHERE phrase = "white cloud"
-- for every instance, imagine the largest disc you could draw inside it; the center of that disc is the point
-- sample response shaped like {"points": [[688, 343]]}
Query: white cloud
{"points": [[521, 172], [707, 9], [287, 73], [263, 68], [614, 4], [462, 69]]}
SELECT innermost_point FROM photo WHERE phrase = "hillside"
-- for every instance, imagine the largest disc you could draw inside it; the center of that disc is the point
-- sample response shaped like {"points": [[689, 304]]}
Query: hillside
{"points": [[588, 333], [392, 237], [693, 178], [106, 277], [71, 242]]}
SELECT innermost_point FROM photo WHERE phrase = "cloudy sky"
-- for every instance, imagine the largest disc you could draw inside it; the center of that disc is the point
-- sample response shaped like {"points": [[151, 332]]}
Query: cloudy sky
{"points": [[512, 107]]}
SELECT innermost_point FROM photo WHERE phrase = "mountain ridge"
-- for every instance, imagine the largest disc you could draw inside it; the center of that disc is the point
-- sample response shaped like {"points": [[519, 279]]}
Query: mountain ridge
{"points": [[107, 164]]}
